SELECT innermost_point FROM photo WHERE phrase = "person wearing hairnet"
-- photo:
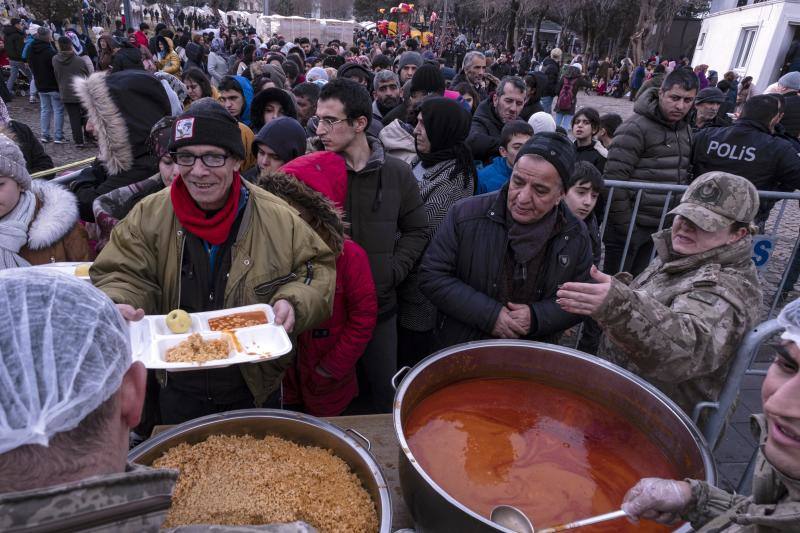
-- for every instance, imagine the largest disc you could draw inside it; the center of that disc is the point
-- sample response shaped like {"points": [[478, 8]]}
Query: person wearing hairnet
{"points": [[775, 501], [678, 323], [69, 394]]}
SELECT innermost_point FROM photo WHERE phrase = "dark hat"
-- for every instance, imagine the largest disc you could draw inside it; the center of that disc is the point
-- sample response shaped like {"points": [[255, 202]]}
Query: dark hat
{"points": [[207, 122], [284, 136], [409, 58], [354, 69], [273, 94], [555, 149], [709, 95], [428, 78]]}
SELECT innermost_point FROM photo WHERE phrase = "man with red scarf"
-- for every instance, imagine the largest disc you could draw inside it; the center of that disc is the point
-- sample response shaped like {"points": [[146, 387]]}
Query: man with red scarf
{"points": [[212, 241]]}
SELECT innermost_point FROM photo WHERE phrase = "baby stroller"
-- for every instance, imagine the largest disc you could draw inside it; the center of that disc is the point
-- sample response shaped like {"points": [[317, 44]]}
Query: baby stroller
{"points": [[22, 85]]}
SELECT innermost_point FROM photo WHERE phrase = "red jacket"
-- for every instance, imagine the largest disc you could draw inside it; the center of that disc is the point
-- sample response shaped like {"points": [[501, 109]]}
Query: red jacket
{"points": [[336, 344], [141, 38]]}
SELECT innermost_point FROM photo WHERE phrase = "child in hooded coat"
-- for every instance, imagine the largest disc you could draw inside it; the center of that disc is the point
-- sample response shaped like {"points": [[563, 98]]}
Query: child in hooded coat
{"points": [[324, 379]]}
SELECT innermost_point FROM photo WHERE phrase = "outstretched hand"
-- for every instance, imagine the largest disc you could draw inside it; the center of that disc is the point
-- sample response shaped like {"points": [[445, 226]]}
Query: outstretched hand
{"points": [[584, 298]]}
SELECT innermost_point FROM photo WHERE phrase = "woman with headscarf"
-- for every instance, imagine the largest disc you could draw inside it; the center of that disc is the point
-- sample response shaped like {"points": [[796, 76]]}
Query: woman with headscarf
{"points": [[446, 174], [217, 62], [112, 207]]}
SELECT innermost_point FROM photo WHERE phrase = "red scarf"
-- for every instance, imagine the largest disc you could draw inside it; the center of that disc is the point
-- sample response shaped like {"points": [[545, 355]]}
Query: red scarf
{"points": [[213, 229]]}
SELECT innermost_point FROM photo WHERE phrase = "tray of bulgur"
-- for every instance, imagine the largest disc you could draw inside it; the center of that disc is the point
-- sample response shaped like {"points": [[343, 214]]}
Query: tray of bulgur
{"points": [[246, 480], [212, 339]]}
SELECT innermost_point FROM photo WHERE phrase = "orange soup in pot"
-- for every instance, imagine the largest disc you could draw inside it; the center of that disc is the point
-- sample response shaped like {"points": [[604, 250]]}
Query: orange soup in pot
{"points": [[552, 453]]}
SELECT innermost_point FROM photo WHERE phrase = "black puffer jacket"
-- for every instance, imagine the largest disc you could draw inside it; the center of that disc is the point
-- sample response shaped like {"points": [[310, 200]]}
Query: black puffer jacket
{"points": [[462, 269], [484, 134], [383, 201], [127, 58], [649, 149], [791, 114], [551, 70], [15, 42]]}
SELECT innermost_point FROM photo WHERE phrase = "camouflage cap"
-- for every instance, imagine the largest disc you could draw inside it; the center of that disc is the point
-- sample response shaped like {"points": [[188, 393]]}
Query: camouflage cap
{"points": [[716, 200]]}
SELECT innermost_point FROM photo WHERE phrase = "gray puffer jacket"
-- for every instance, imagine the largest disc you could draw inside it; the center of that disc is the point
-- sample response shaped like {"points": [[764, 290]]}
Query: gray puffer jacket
{"points": [[646, 148]]}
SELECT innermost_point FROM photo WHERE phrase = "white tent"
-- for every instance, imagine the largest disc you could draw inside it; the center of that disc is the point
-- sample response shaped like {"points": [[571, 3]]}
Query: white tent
{"points": [[289, 28]]}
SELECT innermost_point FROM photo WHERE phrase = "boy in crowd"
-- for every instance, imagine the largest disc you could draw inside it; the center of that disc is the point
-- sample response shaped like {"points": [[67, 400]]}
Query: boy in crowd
{"points": [[585, 125], [583, 191], [608, 126], [512, 137]]}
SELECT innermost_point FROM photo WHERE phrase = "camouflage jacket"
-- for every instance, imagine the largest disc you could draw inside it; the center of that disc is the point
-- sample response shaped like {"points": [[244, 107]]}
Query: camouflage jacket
{"points": [[679, 323], [774, 505], [133, 501]]}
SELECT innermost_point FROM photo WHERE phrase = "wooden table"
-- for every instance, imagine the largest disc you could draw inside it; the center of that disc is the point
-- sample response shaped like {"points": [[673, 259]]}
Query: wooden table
{"points": [[380, 432], [379, 429]]}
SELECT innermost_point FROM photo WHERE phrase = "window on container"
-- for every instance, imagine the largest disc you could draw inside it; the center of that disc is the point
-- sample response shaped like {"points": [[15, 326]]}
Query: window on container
{"points": [[701, 40], [744, 48]]}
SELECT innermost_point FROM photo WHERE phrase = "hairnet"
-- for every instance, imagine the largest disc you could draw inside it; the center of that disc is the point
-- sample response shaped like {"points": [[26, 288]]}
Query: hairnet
{"points": [[64, 349], [789, 319]]}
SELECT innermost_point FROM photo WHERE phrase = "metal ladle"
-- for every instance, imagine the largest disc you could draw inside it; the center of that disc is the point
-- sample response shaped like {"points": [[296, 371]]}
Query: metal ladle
{"points": [[512, 518]]}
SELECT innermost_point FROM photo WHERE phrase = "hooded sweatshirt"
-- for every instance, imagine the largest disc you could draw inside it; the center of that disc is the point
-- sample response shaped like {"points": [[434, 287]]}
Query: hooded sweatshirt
{"points": [[247, 93], [68, 66], [335, 345]]}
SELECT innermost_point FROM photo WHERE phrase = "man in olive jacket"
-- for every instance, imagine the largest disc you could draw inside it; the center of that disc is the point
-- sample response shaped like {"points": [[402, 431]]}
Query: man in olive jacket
{"points": [[653, 146], [212, 241]]}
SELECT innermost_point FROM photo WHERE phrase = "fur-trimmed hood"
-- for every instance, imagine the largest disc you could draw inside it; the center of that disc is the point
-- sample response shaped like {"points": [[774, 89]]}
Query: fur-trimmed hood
{"points": [[56, 214], [122, 107], [318, 211]]}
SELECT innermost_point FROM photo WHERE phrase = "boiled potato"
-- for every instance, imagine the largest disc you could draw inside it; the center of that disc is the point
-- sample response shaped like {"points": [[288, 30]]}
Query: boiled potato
{"points": [[179, 321], [82, 270]]}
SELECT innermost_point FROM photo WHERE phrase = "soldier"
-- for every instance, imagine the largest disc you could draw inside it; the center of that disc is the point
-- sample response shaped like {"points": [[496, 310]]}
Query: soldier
{"points": [[775, 504], [678, 324]]}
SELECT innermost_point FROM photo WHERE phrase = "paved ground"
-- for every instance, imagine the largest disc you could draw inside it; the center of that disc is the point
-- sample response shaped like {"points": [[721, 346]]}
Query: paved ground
{"points": [[738, 445]]}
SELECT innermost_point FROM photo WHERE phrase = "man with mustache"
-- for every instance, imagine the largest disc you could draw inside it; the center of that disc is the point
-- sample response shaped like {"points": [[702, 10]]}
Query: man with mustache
{"points": [[212, 241]]}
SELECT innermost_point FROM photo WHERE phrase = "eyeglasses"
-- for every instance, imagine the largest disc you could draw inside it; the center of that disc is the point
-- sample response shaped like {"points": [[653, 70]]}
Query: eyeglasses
{"points": [[185, 159], [327, 123]]}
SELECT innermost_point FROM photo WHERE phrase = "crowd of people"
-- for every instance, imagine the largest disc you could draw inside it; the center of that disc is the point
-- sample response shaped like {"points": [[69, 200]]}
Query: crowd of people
{"points": [[388, 201]]}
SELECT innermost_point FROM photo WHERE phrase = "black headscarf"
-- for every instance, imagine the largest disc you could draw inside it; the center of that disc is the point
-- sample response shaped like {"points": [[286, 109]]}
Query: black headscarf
{"points": [[447, 124]]}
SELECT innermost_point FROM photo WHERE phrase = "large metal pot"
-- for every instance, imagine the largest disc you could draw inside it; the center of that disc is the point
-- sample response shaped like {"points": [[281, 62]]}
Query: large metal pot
{"points": [[296, 427], [435, 510]]}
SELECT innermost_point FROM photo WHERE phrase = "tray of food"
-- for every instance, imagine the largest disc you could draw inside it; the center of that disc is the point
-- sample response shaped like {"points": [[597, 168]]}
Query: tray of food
{"points": [[74, 268], [214, 339]]}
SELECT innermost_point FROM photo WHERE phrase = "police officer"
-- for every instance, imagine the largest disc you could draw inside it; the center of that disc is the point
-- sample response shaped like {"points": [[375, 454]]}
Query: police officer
{"points": [[678, 324], [706, 110], [751, 149]]}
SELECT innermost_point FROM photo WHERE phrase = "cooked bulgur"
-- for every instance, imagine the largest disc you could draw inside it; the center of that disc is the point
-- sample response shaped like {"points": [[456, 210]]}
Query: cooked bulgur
{"points": [[242, 480], [195, 350]]}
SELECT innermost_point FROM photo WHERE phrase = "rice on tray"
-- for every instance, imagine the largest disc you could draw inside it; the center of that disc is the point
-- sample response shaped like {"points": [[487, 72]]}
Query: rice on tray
{"points": [[242, 480]]}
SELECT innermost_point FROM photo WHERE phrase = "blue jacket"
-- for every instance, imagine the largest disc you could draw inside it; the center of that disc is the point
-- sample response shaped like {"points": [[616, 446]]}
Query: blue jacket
{"points": [[26, 48], [494, 175]]}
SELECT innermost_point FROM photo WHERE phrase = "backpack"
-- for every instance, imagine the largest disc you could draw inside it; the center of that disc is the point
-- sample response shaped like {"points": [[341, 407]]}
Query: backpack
{"points": [[566, 95]]}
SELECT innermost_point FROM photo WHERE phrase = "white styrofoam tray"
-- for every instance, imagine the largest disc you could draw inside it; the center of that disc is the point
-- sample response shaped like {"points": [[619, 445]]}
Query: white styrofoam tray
{"points": [[66, 267], [151, 338]]}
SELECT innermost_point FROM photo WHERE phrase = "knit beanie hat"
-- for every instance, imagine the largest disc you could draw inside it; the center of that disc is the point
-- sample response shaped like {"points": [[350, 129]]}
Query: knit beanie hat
{"points": [[427, 78], [12, 163], [317, 73], [409, 58], [207, 122], [542, 121], [555, 149], [354, 69], [284, 136]]}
